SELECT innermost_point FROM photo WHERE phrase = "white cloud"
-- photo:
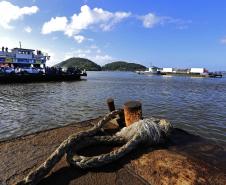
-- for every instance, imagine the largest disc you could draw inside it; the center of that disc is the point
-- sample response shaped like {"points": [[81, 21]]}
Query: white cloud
{"points": [[54, 38], [87, 19], [10, 12], [54, 59], [151, 20], [92, 53], [55, 24], [94, 46], [79, 38], [28, 29], [102, 59], [8, 42], [96, 17], [223, 40]]}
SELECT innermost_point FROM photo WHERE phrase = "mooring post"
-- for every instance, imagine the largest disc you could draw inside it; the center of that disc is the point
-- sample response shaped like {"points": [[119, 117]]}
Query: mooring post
{"points": [[132, 112], [111, 104]]}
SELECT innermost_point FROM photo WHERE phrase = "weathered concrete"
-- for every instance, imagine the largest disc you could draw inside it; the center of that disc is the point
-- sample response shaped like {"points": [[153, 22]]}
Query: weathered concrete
{"points": [[185, 159]]}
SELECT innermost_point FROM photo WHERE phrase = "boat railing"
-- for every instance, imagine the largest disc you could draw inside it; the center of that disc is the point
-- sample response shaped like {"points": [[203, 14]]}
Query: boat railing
{"points": [[7, 54]]}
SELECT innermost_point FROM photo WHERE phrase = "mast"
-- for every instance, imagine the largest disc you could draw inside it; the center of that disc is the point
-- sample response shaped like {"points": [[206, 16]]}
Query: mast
{"points": [[20, 44]]}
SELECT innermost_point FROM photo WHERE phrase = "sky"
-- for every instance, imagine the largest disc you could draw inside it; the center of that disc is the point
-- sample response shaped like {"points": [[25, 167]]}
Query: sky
{"points": [[163, 33]]}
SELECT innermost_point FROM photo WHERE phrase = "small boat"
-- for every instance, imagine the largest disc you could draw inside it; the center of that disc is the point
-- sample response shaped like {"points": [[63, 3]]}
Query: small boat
{"points": [[151, 71], [215, 75]]}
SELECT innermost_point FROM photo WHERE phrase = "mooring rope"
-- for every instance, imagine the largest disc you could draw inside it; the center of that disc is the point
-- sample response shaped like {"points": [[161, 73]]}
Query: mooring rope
{"points": [[144, 131]]}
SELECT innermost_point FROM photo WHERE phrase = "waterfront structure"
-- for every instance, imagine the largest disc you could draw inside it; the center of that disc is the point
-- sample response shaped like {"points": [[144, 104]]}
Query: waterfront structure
{"points": [[167, 70], [196, 72], [28, 65]]}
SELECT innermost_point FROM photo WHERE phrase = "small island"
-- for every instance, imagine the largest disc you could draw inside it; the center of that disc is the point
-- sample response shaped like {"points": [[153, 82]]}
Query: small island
{"points": [[80, 63], [88, 65], [123, 66]]}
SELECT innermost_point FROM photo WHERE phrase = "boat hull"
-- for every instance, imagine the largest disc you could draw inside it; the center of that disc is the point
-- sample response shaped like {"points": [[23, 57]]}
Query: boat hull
{"points": [[4, 79], [148, 73]]}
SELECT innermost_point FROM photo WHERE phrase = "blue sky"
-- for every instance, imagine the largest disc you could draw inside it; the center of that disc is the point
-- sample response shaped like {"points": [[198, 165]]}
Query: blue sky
{"points": [[165, 33]]}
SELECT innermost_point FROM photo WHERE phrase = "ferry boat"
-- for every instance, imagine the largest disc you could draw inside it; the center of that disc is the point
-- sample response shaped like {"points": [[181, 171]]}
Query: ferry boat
{"points": [[28, 65]]}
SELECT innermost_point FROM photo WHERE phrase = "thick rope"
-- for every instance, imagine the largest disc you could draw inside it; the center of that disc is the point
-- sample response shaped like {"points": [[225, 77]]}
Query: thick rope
{"points": [[143, 131], [148, 131]]}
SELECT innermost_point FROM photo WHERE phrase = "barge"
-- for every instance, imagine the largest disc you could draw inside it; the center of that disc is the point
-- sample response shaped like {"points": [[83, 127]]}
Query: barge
{"points": [[192, 72], [21, 65]]}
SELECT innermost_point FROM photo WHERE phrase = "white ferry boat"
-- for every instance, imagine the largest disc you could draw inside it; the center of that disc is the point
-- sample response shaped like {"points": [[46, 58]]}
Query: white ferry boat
{"points": [[19, 60], [28, 65]]}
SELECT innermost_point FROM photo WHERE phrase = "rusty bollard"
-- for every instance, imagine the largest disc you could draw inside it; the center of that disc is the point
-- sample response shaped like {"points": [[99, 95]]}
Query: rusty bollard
{"points": [[132, 112], [111, 104]]}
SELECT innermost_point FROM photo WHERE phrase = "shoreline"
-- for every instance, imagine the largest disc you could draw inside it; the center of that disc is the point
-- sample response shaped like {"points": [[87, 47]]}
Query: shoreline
{"points": [[185, 158]]}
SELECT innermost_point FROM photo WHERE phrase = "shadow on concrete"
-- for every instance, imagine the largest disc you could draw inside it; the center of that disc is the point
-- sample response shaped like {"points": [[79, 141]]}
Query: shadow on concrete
{"points": [[65, 175], [180, 142]]}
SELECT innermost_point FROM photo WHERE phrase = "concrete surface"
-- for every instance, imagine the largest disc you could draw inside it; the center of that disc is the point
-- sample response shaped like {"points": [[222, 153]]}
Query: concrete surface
{"points": [[185, 159]]}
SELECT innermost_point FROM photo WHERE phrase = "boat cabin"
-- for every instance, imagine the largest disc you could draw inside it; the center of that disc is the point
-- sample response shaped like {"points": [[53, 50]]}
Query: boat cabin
{"points": [[21, 57]]}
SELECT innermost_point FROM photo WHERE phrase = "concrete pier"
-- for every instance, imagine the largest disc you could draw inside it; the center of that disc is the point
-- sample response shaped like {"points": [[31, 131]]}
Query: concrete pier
{"points": [[185, 159]]}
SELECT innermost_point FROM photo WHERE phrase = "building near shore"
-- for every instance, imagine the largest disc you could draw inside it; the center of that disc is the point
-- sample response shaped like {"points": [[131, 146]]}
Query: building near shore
{"points": [[198, 70], [167, 70]]}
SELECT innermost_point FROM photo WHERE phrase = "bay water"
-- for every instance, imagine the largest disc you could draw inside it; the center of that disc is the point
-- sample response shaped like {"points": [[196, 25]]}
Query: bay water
{"points": [[197, 105]]}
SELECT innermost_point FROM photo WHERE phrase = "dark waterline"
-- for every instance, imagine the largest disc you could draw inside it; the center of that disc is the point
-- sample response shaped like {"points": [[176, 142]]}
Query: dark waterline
{"points": [[197, 105]]}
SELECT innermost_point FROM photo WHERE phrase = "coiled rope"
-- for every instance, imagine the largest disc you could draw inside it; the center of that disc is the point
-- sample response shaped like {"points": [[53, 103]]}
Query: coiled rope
{"points": [[144, 131]]}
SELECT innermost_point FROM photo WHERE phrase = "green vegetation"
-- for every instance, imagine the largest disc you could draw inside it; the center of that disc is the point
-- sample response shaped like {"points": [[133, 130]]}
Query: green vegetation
{"points": [[80, 63], [123, 66], [88, 65]]}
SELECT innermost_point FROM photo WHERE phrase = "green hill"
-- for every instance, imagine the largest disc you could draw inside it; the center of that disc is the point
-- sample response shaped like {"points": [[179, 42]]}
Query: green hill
{"points": [[81, 63], [123, 66]]}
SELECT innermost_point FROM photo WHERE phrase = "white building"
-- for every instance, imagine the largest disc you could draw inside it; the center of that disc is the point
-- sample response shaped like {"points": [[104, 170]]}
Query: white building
{"points": [[167, 70], [197, 70]]}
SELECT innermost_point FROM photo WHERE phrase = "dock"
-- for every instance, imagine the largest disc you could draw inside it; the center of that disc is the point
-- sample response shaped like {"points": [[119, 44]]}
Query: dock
{"points": [[184, 159]]}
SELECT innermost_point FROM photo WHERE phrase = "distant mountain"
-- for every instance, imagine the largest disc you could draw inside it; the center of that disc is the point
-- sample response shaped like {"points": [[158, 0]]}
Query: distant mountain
{"points": [[123, 66], [81, 63]]}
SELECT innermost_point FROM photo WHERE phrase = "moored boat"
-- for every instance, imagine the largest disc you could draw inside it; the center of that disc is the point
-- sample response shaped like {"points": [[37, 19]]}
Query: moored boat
{"points": [[215, 75], [151, 71], [27, 65]]}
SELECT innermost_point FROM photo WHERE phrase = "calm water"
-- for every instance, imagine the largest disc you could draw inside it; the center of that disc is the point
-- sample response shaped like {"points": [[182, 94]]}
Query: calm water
{"points": [[197, 105]]}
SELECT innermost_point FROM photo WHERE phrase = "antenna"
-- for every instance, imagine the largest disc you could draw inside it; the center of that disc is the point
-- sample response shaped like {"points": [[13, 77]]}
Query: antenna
{"points": [[20, 44]]}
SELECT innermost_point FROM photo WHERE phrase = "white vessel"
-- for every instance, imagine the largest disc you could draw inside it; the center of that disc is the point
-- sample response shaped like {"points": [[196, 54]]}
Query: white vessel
{"points": [[27, 60], [27, 65], [153, 70]]}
